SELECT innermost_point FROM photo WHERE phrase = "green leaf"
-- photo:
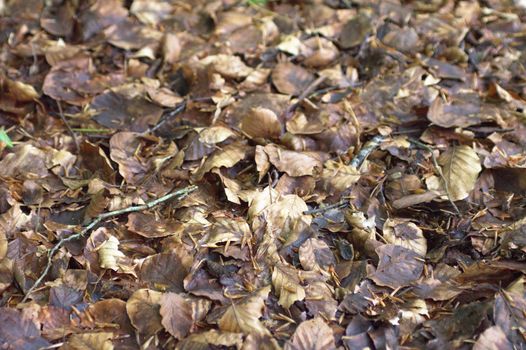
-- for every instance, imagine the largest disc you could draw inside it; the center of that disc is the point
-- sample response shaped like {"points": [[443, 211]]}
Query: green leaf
{"points": [[4, 138], [258, 2]]}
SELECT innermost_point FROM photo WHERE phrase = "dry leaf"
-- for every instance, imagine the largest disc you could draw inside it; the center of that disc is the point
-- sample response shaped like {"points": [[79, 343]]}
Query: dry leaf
{"points": [[176, 312], [286, 282], [261, 122], [243, 315], [398, 266], [405, 234], [460, 167], [313, 334], [315, 255], [85, 341], [143, 309], [291, 79], [109, 254], [293, 163]]}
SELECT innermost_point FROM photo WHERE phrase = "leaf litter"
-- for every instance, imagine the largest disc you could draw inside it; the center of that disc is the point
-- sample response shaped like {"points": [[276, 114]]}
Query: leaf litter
{"points": [[262, 174]]}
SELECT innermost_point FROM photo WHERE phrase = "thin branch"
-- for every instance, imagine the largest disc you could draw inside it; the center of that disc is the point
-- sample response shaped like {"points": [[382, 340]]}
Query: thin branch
{"points": [[310, 89], [181, 193], [65, 121], [341, 204], [356, 162], [169, 115], [366, 150], [438, 169]]}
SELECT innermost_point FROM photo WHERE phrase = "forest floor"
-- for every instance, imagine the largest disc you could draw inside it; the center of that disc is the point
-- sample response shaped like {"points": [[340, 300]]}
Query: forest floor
{"points": [[254, 174]]}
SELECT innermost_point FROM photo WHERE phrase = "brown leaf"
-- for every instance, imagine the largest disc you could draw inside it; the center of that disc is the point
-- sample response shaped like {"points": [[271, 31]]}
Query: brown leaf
{"points": [[143, 309], [151, 226], [19, 332], [243, 316], [460, 167], [293, 163], [405, 234], [226, 230], [229, 156], [398, 266], [313, 334], [315, 255], [211, 337], [261, 123], [90, 341], [165, 270], [286, 282], [109, 253], [120, 112], [176, 314], [111, 312], [449, 115], [3, 245], [291, 79], [122, 151], [493, 338]]}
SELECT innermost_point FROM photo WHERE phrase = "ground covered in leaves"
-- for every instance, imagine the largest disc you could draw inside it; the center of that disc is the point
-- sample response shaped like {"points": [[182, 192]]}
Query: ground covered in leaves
{"points": [[353, 174]]}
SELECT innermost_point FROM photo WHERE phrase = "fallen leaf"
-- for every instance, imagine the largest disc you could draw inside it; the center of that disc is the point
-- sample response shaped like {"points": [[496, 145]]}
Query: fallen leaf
{"points": [[143, 309], [286, 282], [312, 334], [243, 315], [460, 167], [109, 254], [398, 266]]}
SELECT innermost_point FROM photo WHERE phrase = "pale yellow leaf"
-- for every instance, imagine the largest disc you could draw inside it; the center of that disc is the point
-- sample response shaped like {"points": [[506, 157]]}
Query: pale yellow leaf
{"points": [[109, 254], [460, 167], [286, 281]]}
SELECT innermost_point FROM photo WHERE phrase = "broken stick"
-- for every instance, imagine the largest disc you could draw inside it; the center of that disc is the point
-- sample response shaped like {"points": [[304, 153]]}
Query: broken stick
{"points": [[179, 194]]}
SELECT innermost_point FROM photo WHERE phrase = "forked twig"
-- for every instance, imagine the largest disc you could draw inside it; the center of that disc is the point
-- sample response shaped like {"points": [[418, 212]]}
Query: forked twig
{"points": [[181, 193]]}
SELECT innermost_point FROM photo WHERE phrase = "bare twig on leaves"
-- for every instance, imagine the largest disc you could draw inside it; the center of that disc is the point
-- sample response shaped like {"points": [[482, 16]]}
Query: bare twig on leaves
{"points": [[356, 162], [366, 150], [181, 193], [305, 94], [438, 169], [169, 115]]}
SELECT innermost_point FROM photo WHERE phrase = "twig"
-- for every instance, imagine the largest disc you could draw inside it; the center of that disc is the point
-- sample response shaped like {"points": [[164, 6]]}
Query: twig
{"points": [[341, 204], [61, 113], [438, 169], [356, 162], [310, 89], [366, 150], [178, 109], [90, 130], [181, 193]]}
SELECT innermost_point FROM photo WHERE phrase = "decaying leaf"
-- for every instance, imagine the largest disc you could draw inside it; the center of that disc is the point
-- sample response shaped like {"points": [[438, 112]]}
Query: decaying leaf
{"points": [[293, 163], [291, 79], [315, 255]]}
